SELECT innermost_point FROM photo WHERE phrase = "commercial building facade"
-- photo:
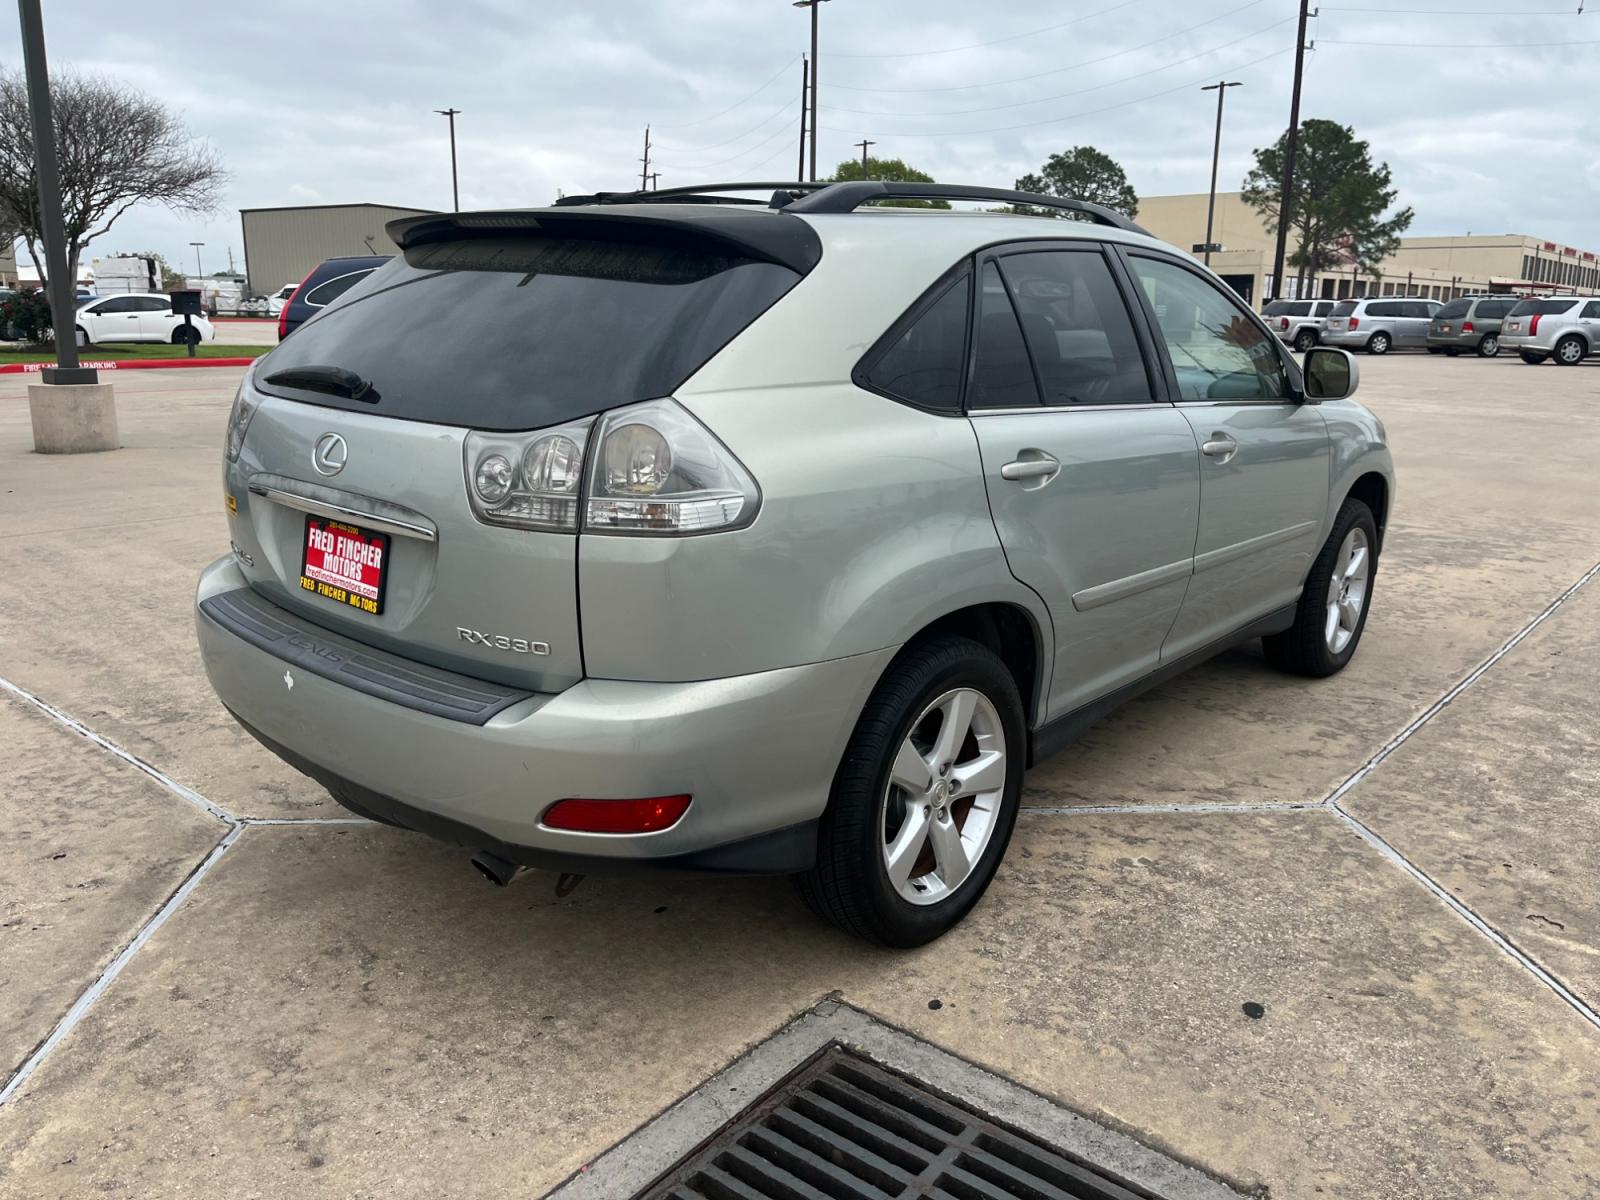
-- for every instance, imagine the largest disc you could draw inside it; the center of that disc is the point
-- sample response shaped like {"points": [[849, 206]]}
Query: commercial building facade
{"points": [[282, 245], [1437, 267]]}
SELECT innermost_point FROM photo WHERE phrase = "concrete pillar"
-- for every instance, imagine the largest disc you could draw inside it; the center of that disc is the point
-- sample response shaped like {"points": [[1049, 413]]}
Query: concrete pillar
{"points": [[72, 418]]}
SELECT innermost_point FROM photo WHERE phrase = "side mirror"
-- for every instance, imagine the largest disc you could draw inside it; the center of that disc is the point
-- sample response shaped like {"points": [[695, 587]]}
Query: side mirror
{"points": [[1330, 374]]}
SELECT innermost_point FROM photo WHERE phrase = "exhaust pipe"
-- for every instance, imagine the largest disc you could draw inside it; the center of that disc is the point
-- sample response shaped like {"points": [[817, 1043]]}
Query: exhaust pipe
{"points": [[498, 871]]}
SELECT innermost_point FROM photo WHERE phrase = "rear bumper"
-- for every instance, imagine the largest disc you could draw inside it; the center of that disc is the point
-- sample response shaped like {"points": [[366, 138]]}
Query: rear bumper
{"points": [[757, 752], [1344, 337], [1521, 341], [1455, 340]]}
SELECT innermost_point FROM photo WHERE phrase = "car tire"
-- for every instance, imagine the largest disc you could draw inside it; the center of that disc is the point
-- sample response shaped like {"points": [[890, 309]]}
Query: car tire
{"points": [[1379, 343], [1570, 351], [1329, 620], [186, 335], [1305, 339], [1451, 352], [872, 818], [1533, 360], [1489, 345]]}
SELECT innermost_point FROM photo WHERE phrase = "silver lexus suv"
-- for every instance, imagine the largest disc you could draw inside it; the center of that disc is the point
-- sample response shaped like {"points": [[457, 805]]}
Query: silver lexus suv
{"points": [[778, 536]]}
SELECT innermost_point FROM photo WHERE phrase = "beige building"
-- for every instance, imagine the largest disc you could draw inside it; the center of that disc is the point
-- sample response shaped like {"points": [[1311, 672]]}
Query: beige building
{"points": [[281, 245], [1438, 267]]}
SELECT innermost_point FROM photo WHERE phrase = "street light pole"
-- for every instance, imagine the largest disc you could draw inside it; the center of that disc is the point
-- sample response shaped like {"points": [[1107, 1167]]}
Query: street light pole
{"points": [[450, 114], [199, 271], [815, 74], [60, 287], [1221, 89]]}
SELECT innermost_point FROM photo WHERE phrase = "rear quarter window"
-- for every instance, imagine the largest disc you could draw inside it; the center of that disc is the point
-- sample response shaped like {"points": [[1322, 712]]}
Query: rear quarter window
{"points": [[1456, 308]]}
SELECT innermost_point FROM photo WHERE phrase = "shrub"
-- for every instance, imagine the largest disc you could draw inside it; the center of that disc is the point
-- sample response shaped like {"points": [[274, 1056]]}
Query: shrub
{"points": [[26, 316]]}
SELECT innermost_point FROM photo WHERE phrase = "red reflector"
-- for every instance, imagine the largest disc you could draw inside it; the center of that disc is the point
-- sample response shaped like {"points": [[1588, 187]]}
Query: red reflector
{"points": [[1466, 327], [1533, 325], [1354, 321], [617, 816]]}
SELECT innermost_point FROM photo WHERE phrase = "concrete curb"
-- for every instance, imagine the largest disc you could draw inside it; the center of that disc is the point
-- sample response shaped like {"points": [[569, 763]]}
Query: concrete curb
{"points": [[132, 364]]}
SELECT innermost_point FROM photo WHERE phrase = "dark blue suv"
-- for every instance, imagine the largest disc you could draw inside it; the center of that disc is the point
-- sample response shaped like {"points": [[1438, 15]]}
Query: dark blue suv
{"points": [[326, 283]]}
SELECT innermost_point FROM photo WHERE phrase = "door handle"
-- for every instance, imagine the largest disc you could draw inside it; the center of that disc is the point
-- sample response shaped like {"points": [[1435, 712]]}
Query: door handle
{"points": [[1030, 468], [1220, 446]]}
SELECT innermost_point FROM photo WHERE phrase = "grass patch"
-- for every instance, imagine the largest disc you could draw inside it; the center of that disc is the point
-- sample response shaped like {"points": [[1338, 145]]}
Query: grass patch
{"points": [[103, 353]]}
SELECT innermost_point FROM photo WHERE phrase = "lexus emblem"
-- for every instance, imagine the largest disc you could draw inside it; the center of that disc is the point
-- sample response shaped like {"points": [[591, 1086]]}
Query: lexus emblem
{"points": [[329, 456]]}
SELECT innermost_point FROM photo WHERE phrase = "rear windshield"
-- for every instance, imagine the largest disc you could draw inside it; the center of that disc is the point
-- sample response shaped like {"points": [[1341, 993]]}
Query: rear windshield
{"points": [[1543, 308], [521, 333], [1287, 308], [1343, 309], [1456, 308], [1495, 308]]}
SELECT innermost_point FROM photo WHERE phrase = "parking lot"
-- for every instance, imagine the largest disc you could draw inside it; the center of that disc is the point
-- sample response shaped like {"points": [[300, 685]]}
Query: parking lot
{"points": [[1316, 939]]}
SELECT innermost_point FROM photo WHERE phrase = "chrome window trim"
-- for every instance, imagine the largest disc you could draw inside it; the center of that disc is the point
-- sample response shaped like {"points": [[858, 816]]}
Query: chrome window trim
{"points": [[1068, 408], [1287, 401], [339, 512]]}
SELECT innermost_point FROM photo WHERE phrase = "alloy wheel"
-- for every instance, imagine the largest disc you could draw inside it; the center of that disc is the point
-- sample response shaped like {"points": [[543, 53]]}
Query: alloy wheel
{"points": [[943, 798], [1347, 591], [1570, 351]]}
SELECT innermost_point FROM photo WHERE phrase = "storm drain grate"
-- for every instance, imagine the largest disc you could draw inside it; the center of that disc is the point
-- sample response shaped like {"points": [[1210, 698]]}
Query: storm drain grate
{"points": [[843, 1129]]}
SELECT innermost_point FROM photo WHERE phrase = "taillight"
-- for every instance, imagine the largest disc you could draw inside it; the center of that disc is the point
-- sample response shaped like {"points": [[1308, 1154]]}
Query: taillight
{"points": [[648, 469], [1533, 325], [283, 313], [245, 401], [1283, 322], [649, 815], [1354, 321], [1466, 327]]}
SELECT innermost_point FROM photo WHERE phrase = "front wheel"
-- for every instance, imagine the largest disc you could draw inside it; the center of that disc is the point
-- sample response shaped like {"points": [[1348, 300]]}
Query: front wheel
{"points": [[1305, 339], [1488, 346], [1570, 351], [185, 335], [1378, 343], [925, 798], [1332, 611], [1533, 360]]}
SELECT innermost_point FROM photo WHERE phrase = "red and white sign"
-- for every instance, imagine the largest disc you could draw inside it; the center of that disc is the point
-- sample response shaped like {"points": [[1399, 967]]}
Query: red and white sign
{"points": [[345, 563]]}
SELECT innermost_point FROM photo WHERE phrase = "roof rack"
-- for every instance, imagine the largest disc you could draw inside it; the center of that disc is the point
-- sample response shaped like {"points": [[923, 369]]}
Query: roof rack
{"points": [[821, 197]]}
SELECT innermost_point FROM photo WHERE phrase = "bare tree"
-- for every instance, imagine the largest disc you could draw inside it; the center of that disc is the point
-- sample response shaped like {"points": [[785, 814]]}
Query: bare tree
{"points": [[117, 148]]}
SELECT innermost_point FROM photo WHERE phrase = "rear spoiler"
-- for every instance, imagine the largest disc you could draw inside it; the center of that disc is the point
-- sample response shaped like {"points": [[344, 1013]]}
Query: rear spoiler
{"points": [[758, 233]]}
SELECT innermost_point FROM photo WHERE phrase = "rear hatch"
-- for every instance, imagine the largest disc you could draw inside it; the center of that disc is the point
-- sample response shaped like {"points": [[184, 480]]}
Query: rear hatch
{"points": [[1524, 320], [351, 480], [1339, 318], [1447, 320]]}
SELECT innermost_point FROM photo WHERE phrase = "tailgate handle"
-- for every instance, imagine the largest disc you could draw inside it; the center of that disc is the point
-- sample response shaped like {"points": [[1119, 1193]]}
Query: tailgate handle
{"points": [[339, 512]]}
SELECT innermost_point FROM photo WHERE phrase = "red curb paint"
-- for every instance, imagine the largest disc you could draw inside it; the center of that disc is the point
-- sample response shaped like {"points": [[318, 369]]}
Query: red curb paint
{"points": [[131, 364]]}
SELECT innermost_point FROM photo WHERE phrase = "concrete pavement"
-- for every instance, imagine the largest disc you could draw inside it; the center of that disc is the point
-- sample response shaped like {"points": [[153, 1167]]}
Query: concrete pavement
{"points": [[346, 1010]]}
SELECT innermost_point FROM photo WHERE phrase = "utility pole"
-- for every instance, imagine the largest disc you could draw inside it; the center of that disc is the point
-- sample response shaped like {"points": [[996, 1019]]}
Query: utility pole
{"points": [[816, 75], [644, 173], [1221, 89], [1291, 144], [455, 190], [805, 90], [654, 175], [198, 269], [863, 143], [61, 288]]}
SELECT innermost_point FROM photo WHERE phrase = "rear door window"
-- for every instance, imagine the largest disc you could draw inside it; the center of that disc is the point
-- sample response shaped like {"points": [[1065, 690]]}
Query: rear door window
{"points": [[326, 293], [1077, 328], [525, 332], [922, 366], [1492, 310], [1384, 308], [1591, 310], [1002, 375]]}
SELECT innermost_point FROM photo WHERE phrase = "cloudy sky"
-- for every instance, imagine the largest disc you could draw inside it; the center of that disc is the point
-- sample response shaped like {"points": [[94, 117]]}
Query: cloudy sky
{"points": [[1489, 118]]}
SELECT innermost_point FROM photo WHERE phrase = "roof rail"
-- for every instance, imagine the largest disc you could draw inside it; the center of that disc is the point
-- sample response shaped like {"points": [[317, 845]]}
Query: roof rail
{"points": [[699, 194], [847, 197]]}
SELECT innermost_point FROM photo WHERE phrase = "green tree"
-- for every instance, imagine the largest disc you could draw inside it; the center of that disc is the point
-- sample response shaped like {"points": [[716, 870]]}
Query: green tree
{"points": [[1084, 173], [1336, 214], [892, 170]]}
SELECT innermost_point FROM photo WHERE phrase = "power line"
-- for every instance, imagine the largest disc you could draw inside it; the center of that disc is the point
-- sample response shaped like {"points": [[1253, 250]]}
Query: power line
{"points": [[787, 104], [746, 100], [1456, 45], [1067, 116], [967, 87], [996, 41], [951, 112], [1460, 12], [783, 132]]}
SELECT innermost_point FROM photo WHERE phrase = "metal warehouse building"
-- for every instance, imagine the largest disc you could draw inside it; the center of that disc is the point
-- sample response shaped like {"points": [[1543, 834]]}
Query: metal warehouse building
{"points": [[281, 245]]}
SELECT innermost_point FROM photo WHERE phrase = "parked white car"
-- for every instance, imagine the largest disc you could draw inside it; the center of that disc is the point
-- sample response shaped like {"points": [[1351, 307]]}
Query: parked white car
{"points": [[279, 298], [139, 317]]}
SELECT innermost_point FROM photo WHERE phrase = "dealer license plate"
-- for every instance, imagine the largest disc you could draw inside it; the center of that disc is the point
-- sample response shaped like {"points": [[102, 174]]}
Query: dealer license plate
{"points": [[345, 563]]}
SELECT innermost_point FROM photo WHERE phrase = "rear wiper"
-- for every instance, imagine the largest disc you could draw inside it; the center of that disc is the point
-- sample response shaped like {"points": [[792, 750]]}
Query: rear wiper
{"points": [[336, 381]]}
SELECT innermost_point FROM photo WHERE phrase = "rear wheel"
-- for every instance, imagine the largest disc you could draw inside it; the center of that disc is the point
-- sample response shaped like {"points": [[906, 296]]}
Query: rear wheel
{"points": [[1570, 351], [1332, 611], [1305, 339], [1533, 360], [185, 335], [1378, 343], [1488, 345], [925, 798]]}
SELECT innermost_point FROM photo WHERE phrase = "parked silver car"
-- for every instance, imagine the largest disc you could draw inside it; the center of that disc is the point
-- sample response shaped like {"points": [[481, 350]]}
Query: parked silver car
{"points": [[769, 537], [1565, 329], [1469, 323], [1378, 325], [1298, 323]]}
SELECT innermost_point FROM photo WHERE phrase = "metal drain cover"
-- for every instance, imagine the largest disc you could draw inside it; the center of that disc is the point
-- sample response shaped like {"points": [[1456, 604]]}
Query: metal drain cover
{"points": [[844, 1129]]}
